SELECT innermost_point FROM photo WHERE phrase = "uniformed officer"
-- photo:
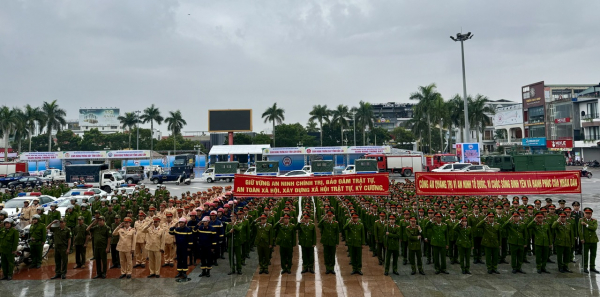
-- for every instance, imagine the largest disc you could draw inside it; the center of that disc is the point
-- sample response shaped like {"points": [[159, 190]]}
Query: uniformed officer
{"points": [[126, 246], [141, 254], [37, 235], [464, 244], [286, 240], [517, 240], [169, 240], [413, 235], [491, 242], [9, 241], [115, 261], [438, 238], [155, 245], [307, 238], [379, 235], [217, 225], [234, 232], [80, 240], [101, 235], [330, 238], [541, 231], [355, 239], [393, 234], [589, 239], [263, 242], [206, 243], [183, 240], [564, 238], [62, 245]]}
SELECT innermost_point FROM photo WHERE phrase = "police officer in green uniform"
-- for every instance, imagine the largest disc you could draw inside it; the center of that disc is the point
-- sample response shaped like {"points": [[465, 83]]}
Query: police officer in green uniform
{"points": [[62, 245], [379, 235], [491, 242], [355, 238], [589, 239], [80, 240], [307, 238], [101, 235], [330, 238], [264, 242], [234, 232], [438, 236], [393, 234], [564, 238], [115, 261], [541, 231], [286, 240], [413, 235], [9, 241], [518, 236], [37, 235], [464, 244]]}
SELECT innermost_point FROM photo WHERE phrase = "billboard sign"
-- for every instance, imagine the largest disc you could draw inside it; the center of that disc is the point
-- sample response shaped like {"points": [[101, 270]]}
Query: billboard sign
{"points": [[100, 117], [283, 151], [40, 156], [327, 150], [533, 95], [230, 120], [559, 144], [469, 153], [127, 154], [508, 117], [562, 120], [369, 150], [85, 155], [538, 141]]}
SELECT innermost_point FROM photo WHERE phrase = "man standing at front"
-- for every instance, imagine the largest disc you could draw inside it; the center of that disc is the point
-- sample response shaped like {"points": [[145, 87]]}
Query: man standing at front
{"points": [[307, 238], [393, 234], [62, 245], [540, 230], [564, 238], [126, 246], [330, 238], [101, 235], [589, 239], [491, 242], [517, 240], [155, 244], [37, 235], [9, 241], [286, 240], [439, 240], [355, 239], [263, 242], [413, 235]]}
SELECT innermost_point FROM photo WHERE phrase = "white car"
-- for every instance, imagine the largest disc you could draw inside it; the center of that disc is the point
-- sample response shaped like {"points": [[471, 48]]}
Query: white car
{"points": [[298, 173], [479, 168], [64, 202], [451, 167], [96, 191], [14, 206], [349, 170]]}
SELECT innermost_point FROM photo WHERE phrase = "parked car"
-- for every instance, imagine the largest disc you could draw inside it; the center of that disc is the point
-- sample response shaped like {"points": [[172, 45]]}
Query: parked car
{"points": [[12, 177], [95, 190], [479, 168], [298, 173], [349, 170], [29, 181], [14, 206], [451, 167]]}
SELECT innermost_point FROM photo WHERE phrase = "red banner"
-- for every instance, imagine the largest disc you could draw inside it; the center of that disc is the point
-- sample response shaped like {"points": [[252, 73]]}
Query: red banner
{"points": [[563, 143], [331, 185], [497, 183]]}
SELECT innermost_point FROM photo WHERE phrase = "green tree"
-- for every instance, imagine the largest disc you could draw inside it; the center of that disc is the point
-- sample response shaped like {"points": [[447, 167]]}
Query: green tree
{"points": [[320, 113], [292, 134], [175, 123], [8, 121], [176, 142], [93, 140], [457, 116], [54, 118], [274, 114], [379, 135], [128, 121], [364, 117], [38, 143], [20, 128], [66, 140], [403, 138], [478, 113], [239, 138], [340, 116], [33, 116], [151, 114], [311, 126], [261, 138], [426, 95]]}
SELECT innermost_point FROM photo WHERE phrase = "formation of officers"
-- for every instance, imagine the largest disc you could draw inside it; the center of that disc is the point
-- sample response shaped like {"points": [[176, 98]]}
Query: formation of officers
{"points": [[199, 228]]}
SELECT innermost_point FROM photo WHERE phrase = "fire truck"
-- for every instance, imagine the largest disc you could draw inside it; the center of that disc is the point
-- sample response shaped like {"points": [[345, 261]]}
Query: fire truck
{"points": [[12, 167], [406, 165], [439, 160]]}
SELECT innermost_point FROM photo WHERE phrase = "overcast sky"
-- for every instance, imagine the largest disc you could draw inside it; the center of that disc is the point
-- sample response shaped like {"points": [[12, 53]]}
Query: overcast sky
{"points": [[200, 55]]}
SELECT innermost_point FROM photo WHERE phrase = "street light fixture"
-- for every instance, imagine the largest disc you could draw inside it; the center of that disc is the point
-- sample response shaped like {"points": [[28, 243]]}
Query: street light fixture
{"points": [[462, 38]]}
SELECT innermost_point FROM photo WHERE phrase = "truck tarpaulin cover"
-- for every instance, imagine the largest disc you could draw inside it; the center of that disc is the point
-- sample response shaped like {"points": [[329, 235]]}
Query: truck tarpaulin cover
{"points": [[331, 185], [501, 183]]}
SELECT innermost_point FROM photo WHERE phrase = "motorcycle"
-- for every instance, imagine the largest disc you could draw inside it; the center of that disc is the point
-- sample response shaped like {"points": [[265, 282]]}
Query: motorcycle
{"points": [[585, 174], [23, 254]]}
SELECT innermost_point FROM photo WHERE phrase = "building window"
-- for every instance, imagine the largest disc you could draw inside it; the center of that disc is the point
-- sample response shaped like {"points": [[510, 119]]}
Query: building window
{"points": [[537, 131], [536, 115], [592, 133]]}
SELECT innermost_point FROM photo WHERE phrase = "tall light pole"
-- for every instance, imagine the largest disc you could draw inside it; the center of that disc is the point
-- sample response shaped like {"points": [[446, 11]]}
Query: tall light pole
{"points": [[354, 123], [462, 38], [137, 121]]}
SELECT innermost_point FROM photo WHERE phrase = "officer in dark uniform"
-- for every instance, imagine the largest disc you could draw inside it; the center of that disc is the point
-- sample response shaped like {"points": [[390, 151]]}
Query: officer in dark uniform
{"points": [[101, 235], [206, 237], [184, 241], [62, 245]]}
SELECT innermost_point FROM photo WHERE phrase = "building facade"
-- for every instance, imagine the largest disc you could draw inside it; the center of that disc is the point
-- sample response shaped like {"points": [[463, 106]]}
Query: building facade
{"points": [[392, 114]]}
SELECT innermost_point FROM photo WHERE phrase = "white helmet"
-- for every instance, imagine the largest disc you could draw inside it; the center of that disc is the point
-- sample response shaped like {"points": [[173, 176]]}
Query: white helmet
{"points": [[36, 217], [8, 220]]}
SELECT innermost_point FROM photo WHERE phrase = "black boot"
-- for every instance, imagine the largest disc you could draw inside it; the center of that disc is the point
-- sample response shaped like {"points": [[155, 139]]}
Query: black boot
{"points": [[207, 273]]}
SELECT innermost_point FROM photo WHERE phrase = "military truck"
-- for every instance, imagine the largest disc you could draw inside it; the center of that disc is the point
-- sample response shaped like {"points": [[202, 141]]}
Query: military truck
{"points": [[320, 167], [264, 168], [362, 166], [519, 163], [221, 171]]}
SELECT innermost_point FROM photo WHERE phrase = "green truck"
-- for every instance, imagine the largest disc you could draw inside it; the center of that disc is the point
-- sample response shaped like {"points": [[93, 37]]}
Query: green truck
{"points": [[264, 168], [362, 166], [320, 167], [221, 171], [519, 163]]}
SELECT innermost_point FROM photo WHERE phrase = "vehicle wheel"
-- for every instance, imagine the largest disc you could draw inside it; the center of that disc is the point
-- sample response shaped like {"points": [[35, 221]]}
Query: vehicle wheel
{"points": [[407, 172], [209, 180], [230, 179], [106, 189], [130, 181], [155, 181], [589, 175]]}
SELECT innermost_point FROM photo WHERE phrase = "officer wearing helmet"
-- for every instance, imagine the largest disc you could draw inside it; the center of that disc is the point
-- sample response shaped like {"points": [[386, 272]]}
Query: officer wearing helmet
{"points": [[9, 240], [53, 214]]}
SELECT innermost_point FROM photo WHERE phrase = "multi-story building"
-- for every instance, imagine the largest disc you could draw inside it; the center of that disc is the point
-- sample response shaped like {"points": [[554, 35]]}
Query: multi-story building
{"points": [[488, 139], [508, 120], [586, 109], [392, 114]]}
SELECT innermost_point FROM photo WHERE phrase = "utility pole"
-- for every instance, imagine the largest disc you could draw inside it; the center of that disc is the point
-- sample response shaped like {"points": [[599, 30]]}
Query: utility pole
{"points": [[462, 38]]}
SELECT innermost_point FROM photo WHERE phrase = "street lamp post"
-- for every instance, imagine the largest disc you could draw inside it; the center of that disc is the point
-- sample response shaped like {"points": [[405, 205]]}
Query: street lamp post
{"points": [[462, 38], [354, 123], [137, 121]]}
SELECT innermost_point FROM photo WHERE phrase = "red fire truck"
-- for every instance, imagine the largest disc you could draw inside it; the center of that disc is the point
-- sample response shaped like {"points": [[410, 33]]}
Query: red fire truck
{"points": [[12, 167], [439, 160], [403, 164]]}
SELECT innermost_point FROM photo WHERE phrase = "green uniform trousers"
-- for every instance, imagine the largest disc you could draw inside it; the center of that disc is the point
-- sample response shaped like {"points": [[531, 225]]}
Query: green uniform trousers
{"points": [[477, 248], [245, 251], [517, 254], [439, 258], [453, 251], [264, 256], [404, 246], [61, 259], [380, 251], [308, 257], [391, 256], [427, 248], [589, 255], [464, 258], [356, 257], [286, 254], [541, 256], [8, 264], [564, 254], [235, 258], [492, 256], [101, 260], [37, 251], [415, 258], [329, 255], [504, 249]]}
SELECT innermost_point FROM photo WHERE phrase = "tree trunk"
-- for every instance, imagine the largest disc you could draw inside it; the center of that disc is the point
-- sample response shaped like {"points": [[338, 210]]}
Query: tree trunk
{"points": [[6, 146], [174, 146], [273, 133], [321, 134], [441, 137], [429, 128], [29, 137], [151, 145], [341, 134], [49, 139], [129, 137]]}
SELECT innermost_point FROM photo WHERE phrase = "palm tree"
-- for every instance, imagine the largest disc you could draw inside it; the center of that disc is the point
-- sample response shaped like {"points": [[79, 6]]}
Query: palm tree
{"points": [[419, 126], [128, 121], [8, 119], [274, 114], [341, 115], [175, 123], [439, 110], [364, 116], [20, 128], [478, 113], [311, 126], [32, 115], [152, 114], [426, 96], [320, 113], [457, 117], [54, 118]]}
